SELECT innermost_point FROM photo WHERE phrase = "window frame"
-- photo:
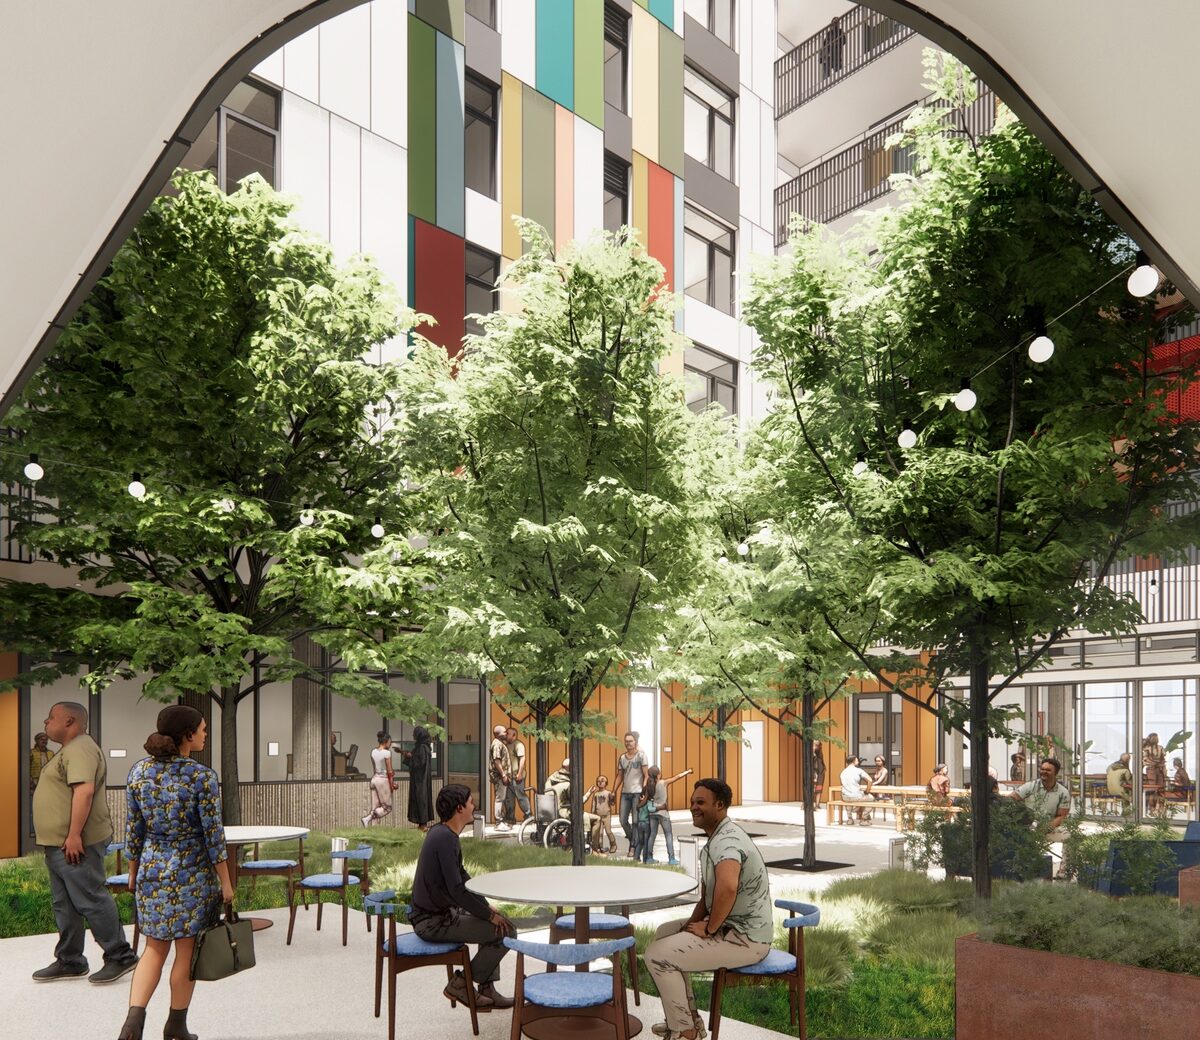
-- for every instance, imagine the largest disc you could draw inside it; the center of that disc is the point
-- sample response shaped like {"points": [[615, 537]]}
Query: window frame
{"points": [[712, 248], [613, 14], [714, 115], [223, 114], [493, 120], [709, 22], [610, 162], [470, 280], [490, 21], [711, 379]]}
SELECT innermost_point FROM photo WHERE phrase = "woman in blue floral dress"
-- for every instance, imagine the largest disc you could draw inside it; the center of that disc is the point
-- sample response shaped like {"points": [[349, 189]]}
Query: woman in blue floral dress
{"points": [[178, 869]]}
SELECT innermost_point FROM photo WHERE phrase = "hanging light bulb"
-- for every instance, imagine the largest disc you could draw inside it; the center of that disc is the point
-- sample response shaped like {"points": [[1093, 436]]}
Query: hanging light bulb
{"points": [[377, 528], [965, 399], [1144, 278], [1041, 348], [307, 518], [860, 465], [722, 559], [765, 531], [33, 469], [908, 436], [136, 488], [742, 549], [1153, 586]]}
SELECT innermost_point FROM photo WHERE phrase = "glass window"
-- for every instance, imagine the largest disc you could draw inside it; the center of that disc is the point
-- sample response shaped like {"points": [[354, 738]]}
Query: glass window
{"points": [[483, 269], [616, 192], [707, 260], [1168, 776], [1109, 653], [484, 10], [708, 378], [715, 15], [1170, 648], [240, 139], [465, 744], [480, 131], [707, 123], [616, 56], [1107, 733]]}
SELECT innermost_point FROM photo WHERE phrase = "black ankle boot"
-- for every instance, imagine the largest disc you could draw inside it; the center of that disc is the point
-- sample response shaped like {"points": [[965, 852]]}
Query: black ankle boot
{"points": [[176, 1027], [135, 1022]]}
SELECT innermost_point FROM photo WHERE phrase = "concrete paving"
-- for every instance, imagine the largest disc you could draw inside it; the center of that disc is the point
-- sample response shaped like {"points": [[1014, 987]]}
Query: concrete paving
{"points": [[316, 989]]}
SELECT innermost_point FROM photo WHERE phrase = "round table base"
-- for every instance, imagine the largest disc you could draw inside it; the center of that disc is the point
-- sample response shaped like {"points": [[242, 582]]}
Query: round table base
{"points": [[259, 924], [575, 1027]]}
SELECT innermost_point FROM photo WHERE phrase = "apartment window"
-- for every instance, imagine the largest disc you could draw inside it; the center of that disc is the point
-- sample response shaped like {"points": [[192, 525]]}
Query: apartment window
{"points": [[616, 56], [616, 192], [483, 270], [484, 10], [709, 378], [707, 123], [241, 138], [715, 15], [480, 130], [707, 259]]}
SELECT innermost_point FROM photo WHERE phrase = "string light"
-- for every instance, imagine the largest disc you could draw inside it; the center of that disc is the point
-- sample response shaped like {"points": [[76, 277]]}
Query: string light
{"points": [[722, 559], [136, 488], [1041, 349], [377, 528], [860, 465], [307, 518], [1144, 279], [743, 549], [965, 399], [908, 436], [33, 469]]}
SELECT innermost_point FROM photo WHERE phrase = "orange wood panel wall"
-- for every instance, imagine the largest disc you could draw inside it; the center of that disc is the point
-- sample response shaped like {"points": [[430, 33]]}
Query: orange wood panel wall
{"points": [[11, 794]]}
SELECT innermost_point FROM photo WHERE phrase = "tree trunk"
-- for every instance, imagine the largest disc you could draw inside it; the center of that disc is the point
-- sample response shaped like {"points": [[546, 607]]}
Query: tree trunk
{"points": [[575, 753], [541, 752], [231, 795], [722, 718], [980, 800], [808, 787]]}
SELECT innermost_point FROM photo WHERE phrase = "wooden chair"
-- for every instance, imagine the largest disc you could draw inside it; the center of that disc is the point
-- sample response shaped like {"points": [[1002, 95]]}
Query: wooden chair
{"points": [[776, 964], [405, 951], [563, 994], [285, 868], [333, 882], [118, 883], [600, 926]]}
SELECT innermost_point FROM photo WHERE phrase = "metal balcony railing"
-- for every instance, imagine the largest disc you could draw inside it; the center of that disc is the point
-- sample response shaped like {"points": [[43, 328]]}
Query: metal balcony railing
{"points": [[861, 172], [829, 56], [15, 502]]}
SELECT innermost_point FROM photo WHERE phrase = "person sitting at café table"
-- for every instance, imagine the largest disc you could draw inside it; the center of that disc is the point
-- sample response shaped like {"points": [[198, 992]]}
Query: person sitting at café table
{"points": [[939, 785], [444, 910], [1119, 779], [1180, 780], [731, 925]]}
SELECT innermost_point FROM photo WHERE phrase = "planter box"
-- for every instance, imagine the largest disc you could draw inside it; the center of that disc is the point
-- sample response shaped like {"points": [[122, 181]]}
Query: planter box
{"points": [[1189, 886], [997, 986]]}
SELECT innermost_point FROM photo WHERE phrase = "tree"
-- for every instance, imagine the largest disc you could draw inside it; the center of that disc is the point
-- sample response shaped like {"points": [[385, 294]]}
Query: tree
{"points": [[573, 482], [991, 535], [220, 362]]}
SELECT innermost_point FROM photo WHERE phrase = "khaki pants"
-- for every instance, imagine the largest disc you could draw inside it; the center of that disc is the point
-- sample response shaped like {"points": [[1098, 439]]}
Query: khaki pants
{"points": [[674, 954], [602, 826]]}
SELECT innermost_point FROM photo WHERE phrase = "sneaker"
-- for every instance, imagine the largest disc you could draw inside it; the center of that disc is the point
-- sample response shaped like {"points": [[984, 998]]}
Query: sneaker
{"points": [[502, 826], [366, 820], [672, 862], [112, 971], [58, 970]]}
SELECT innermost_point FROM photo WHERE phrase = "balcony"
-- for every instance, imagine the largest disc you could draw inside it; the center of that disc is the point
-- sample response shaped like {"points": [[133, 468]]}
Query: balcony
{"points": [[831, 55], [861, 172]]}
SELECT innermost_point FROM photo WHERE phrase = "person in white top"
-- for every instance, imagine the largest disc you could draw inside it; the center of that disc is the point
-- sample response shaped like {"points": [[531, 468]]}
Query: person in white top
{"points": [[856, 787], [383, 782]]}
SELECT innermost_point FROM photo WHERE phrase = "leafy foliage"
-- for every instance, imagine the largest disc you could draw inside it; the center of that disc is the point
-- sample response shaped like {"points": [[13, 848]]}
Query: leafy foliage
{"points": [[922, 940], [906, 891], [1017, 850], [1144, 859]]}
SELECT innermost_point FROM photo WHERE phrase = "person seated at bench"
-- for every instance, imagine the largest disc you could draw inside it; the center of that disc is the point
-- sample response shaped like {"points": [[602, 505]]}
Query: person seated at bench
{"points": [[939, 785], [856, 787], [1180, 781], [879, 775]]}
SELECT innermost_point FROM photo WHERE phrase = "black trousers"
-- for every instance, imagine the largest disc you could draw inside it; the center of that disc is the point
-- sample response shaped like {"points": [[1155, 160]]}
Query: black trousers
{"points": [[458, 926]]}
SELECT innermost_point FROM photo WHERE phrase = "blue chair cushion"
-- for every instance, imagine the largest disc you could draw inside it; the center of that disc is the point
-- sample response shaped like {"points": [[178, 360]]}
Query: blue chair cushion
{"points": [[327, 881], [777, 962], [268, 864], [596, 922], [113, 846], [117, 879], [387, 895], [569, 989], [409, 944]]}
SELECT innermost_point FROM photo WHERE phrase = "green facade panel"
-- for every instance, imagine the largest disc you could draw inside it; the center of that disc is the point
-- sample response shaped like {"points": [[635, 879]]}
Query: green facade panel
{"points": [[589, 61], [554, 49], [537, 158], [422, 120], [670, 101]]}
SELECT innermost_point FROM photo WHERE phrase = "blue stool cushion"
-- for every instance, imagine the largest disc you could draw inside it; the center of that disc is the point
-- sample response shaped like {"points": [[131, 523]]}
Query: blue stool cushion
{"points": [[409, 944], [570, 989], [387, 895], [777, 962], [113, 846], [117, 879], [596, 922], [268, 864], [327, 881]]}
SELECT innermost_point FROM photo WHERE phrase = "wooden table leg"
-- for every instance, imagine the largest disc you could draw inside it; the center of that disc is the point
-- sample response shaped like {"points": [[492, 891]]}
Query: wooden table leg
{"points": [[582, 930]]}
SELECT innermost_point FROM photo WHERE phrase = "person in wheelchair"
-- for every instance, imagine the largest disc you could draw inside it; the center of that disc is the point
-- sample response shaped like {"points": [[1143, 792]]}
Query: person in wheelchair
{"points": [[559, 783]]}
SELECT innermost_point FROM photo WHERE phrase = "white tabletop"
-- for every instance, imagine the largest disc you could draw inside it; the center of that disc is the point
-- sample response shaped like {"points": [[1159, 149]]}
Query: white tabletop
{"points": [[248, 834], [581, 886]]}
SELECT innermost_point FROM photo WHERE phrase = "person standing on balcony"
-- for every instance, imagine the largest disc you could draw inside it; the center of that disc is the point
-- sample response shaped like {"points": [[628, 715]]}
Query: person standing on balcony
{"points": [[833, 49]]}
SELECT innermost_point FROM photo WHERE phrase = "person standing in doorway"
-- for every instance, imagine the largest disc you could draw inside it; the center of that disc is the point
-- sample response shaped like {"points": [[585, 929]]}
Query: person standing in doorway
{"points": [[383, 780], [39, 755], [500, 773], [632, 775], [72, 825], [420, 780], [516, 788]]}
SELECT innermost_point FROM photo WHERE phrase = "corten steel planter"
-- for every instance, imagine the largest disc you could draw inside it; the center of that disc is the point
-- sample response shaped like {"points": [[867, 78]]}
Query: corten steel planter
{"points": [[1189, 886], [997, 986]]}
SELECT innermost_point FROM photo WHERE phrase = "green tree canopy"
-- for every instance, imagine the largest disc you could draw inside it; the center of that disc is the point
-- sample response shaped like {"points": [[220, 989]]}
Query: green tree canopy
{"points": [[223, 359]]}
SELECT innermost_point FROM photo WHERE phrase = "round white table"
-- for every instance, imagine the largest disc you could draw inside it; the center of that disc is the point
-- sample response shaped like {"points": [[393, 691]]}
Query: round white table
{"points": [[248, 834], [581, 888]]}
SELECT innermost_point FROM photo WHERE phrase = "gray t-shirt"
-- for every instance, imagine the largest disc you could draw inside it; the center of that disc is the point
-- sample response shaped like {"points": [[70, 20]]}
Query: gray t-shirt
{"points": [[751, 913], [658, 798], [631, 772], [1044, 805]]}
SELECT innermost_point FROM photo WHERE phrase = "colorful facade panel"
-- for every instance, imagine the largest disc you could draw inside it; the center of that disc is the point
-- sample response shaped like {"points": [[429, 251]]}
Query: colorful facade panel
{"points": [[438, 282]]}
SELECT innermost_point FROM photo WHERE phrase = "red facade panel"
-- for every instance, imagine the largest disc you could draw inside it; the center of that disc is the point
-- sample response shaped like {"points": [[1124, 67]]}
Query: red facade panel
{"points": [[439, 281], [660, 235]]}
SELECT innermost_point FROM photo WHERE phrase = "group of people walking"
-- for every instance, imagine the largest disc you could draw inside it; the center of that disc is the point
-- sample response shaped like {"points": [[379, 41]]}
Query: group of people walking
{"points": [[382, 783]]}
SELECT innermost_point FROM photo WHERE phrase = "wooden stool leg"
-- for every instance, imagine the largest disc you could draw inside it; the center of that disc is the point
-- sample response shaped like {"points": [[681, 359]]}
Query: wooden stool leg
{"points": [[345, 917], [317, 896], [714, 1005], [470, 988], [633, 975]]}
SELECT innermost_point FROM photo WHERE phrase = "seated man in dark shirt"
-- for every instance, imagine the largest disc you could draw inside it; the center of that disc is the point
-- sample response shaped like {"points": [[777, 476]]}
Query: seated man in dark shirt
{"points": [[445, 910]]}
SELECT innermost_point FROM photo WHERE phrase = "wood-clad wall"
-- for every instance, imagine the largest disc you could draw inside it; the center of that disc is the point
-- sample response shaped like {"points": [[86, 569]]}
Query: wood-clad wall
{"points": [[12, 793]]}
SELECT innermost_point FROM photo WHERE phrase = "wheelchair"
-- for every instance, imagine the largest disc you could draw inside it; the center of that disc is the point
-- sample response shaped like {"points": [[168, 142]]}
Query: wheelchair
{"points": [[546, 826]]}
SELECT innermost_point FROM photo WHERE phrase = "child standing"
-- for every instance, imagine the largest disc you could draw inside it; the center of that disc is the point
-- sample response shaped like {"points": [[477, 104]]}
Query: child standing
{"points": [[603, 803], [641, 829]]}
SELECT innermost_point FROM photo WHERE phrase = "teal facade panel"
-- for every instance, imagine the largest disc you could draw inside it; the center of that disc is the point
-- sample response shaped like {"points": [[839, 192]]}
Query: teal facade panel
{"points": [[555, 51], [451, 160], [664, 11]]}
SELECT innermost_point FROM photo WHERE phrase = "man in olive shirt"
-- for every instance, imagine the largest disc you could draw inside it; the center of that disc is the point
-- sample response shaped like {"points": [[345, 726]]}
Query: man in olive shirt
{"points": [[72, 825], [731, 925]]}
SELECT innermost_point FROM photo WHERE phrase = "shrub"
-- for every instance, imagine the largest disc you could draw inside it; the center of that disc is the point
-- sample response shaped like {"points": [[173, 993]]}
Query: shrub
{"points": [[1017, 849], [907, 891], [830, 957], [922, 940], [854, 914], [1144, 858]]}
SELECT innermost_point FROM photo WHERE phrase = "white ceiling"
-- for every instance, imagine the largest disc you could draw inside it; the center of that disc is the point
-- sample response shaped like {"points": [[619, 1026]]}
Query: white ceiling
{"points": [[102, 99]]}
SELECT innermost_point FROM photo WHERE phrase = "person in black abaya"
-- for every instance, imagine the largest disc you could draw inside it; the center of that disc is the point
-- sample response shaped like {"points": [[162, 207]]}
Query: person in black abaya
{"points": [[420, 782]]}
